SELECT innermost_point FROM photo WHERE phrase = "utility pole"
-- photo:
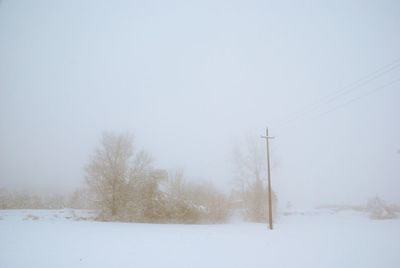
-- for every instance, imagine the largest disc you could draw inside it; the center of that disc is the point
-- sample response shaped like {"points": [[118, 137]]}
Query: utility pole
{"points": [[266, 137]]}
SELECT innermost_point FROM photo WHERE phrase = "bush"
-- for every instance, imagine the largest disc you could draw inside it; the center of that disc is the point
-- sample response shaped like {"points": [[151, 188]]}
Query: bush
{"points": [[379, 210]]}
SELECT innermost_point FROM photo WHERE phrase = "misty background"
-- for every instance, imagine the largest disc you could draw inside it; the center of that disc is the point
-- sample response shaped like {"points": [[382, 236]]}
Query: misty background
{"points": [[191, 80]]}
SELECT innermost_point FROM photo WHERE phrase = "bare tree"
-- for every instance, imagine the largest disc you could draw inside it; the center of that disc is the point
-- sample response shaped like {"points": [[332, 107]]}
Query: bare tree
{"points": [[250, 179], [113, 171]]}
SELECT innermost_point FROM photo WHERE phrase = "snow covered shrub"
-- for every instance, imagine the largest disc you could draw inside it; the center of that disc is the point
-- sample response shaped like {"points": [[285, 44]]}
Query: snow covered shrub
{"points": [[213, 203], [378, 209], [189, 202], [179, 206], [144, 200]]}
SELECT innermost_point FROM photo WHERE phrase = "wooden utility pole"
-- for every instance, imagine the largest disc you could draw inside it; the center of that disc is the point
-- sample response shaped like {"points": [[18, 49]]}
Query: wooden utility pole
{"points": [[266, 137]]}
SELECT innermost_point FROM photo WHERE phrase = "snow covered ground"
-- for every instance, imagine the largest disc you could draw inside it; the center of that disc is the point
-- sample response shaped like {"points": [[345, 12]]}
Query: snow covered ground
{"points": [[61, 238]]}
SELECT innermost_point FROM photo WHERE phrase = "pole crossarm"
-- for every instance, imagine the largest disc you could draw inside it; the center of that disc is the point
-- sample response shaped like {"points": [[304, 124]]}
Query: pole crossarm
{"points": [[267, 137]]}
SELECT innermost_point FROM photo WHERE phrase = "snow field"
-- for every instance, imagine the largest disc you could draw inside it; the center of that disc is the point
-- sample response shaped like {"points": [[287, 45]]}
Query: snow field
{"points": [[40, 238]]}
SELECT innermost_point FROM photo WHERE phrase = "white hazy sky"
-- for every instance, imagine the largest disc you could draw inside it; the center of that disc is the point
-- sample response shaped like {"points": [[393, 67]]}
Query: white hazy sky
{"points": [[189, 79]]}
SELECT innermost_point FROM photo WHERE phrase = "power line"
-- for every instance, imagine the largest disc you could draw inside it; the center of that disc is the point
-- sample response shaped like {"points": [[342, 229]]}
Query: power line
{"points": [[370, 92], [343, 91], [359, 97]]}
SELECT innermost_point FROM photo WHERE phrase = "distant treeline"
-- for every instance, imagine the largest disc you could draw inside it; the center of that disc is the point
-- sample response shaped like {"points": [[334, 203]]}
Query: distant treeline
{"points": [[28, 200]]}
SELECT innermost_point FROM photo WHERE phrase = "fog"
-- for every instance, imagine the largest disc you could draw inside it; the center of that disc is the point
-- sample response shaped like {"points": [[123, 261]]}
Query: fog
{"points": [[192, 80]]}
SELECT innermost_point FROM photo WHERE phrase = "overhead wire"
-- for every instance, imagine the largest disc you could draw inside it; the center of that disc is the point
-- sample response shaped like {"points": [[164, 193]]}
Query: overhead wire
{"points": [[359, 83], [360, 97]]}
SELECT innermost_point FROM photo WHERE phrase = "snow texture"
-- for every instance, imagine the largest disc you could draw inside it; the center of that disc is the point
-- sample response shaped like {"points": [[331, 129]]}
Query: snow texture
{"points": [[68, 238]]}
